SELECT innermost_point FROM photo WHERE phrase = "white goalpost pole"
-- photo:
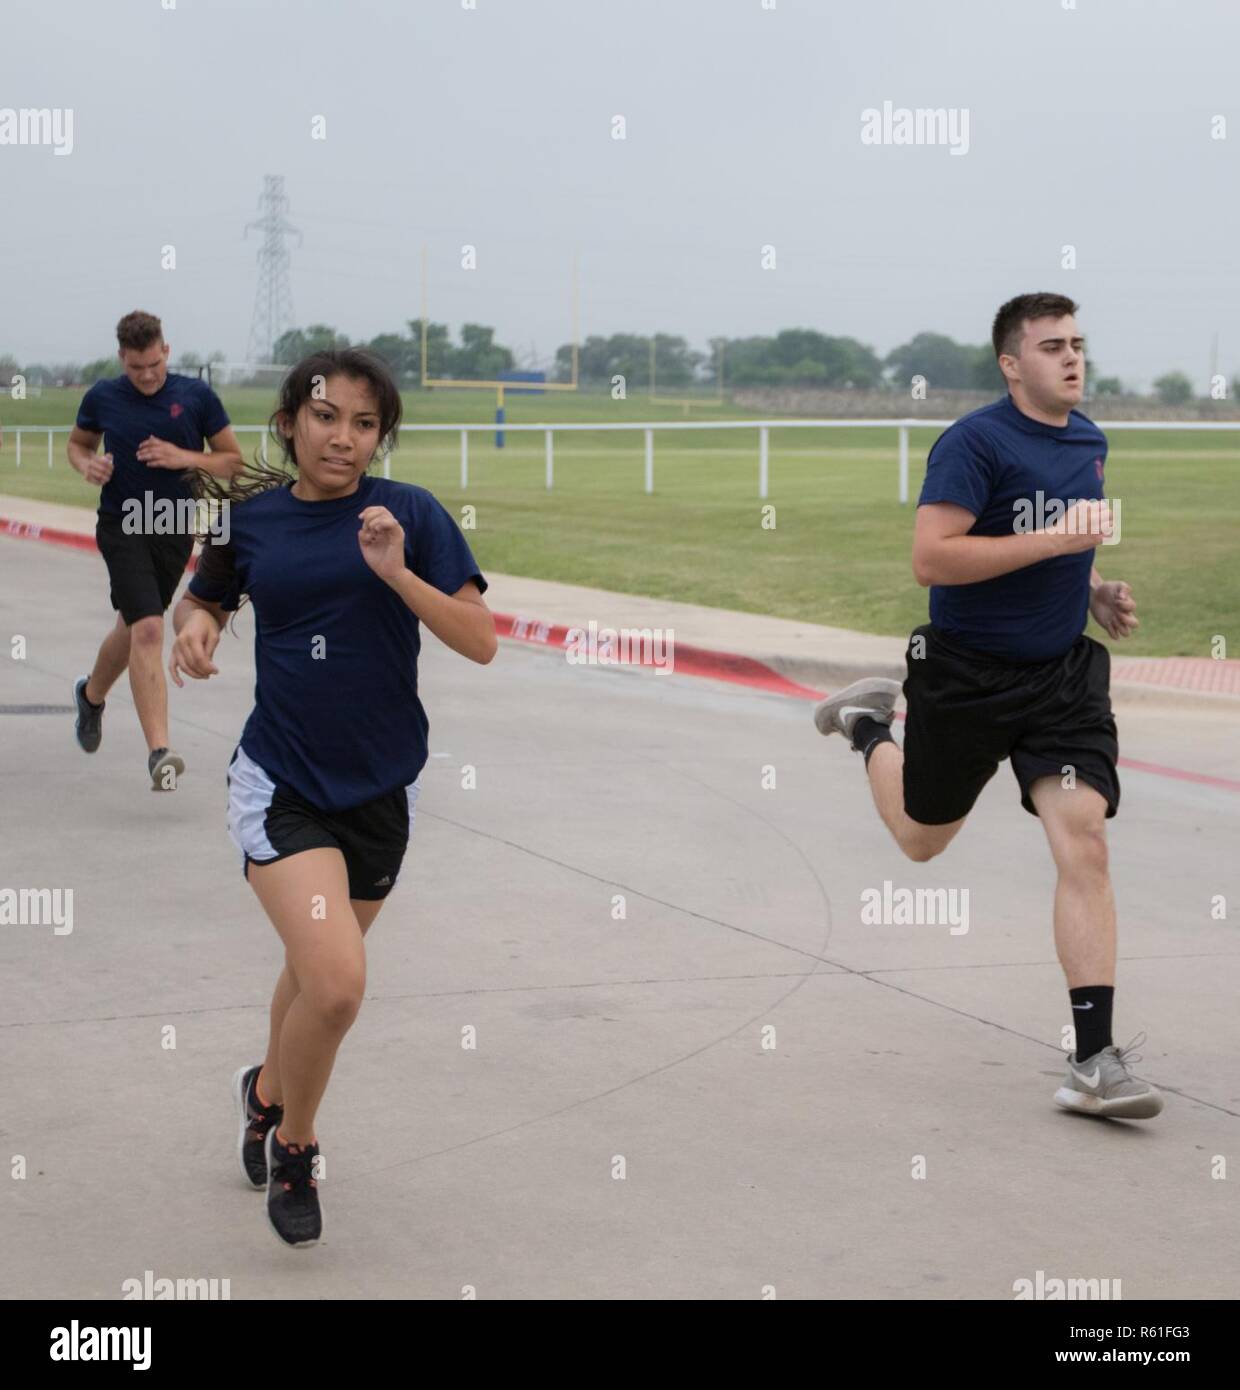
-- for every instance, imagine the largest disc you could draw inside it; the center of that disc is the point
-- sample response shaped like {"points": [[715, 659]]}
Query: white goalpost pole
{"points": [[764, 460], [903, 463]]}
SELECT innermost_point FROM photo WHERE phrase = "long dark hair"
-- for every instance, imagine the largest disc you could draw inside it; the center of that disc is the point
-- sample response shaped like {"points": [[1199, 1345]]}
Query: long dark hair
{"points": [[303, 383]]}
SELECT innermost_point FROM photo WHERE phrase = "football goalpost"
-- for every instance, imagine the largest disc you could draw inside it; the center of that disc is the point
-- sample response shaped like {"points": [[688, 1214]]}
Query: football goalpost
{"points": [[515, 383]]}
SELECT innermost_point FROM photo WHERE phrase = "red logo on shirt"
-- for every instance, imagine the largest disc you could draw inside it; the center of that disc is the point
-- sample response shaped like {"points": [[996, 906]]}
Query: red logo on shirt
{"points": [[176, 410], [1097, 465]]}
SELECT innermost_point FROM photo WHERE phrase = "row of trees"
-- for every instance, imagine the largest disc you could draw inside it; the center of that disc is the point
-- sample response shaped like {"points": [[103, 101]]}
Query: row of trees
{"points": [[792, 357], [802, 357], [478, 357], [83, 373]]}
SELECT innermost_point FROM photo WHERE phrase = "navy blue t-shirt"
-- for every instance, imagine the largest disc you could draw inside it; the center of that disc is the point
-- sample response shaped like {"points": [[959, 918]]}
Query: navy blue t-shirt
{"points": [[336, 711], [994, 462], [184, 411]]}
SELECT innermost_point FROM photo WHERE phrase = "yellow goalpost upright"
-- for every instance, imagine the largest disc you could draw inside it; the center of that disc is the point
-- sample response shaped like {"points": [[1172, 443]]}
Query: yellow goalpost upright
{"points": [[498, 387]]}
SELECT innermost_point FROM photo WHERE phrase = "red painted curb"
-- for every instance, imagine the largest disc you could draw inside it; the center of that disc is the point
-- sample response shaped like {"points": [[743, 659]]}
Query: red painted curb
{"points": [[1214, 676], [744, 670], [1204, 779], [690, 661], [75, 540], [32, 531]]}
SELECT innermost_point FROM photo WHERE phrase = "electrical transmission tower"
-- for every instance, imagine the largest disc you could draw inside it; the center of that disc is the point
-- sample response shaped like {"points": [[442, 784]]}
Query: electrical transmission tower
{"points": [[273, 299]]}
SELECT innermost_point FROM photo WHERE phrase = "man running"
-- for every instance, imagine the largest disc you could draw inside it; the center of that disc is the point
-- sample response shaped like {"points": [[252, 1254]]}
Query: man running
{"points": [[1008, 519], [153, 424]]}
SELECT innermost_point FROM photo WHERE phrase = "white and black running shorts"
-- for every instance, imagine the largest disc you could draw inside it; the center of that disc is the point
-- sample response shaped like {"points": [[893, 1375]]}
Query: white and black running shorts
{"points": [[268, 823]]}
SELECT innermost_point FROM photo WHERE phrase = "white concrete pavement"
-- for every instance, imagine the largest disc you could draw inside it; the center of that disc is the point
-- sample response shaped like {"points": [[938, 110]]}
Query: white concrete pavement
{"points": [[745, 1166]]}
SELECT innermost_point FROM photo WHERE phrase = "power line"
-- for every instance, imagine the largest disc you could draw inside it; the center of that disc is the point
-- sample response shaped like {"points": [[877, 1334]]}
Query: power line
{"points": [[273, 298]]}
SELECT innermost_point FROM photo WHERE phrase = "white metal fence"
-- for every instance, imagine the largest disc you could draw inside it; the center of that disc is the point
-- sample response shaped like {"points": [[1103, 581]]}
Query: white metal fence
{"points": [[648, 428]]}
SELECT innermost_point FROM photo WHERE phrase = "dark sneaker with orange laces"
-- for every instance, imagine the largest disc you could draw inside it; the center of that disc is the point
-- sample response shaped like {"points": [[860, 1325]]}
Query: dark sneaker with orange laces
{"points": [[292, 1190], [255, 1119]]}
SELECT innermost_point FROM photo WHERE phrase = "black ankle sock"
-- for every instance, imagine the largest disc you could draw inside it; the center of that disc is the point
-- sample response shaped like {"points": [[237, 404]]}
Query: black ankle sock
{"points": [[868, 733], [1091, 1016]]}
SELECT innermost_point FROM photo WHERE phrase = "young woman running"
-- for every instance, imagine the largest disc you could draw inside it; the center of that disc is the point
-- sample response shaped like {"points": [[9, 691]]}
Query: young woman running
{"points": [[341, 568]]}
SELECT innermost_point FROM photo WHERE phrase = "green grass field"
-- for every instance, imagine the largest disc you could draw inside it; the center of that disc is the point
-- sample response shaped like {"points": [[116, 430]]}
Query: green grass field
{"points": [[839, 552]]}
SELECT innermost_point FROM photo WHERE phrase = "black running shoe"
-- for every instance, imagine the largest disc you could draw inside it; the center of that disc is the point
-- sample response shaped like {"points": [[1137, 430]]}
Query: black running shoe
{"points": [[255, 1120], [292, 1192], [89, 727]]}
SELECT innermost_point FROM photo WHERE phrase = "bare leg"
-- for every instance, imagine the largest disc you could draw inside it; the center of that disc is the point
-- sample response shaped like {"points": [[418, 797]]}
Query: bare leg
{"points": [[307, 898], [146, 678], [271, 1087], [1075, 824], [920, 842], [110, 663]]}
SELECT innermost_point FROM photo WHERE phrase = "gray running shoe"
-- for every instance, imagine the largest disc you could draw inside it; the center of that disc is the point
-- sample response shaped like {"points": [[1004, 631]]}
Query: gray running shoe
{"points": [[1103, 1085], [157, 764], [89, 728], [874, 696]]}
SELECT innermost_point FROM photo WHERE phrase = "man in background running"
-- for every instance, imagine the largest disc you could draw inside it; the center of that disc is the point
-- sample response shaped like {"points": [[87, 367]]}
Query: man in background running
{"points": [[153, 424]]}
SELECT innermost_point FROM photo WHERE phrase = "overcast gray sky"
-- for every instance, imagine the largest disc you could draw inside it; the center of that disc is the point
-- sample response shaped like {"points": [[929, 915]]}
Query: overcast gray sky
{"points": [[493, 126]]}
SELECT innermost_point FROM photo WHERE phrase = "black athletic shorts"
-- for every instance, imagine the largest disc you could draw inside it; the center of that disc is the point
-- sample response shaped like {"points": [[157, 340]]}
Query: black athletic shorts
{"points": [[268, 823], [144, 570], [968, 711]]}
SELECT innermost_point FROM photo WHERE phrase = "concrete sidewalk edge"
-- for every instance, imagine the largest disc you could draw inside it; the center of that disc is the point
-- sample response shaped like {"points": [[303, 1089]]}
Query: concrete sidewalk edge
{"points": [[803, 677]]}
